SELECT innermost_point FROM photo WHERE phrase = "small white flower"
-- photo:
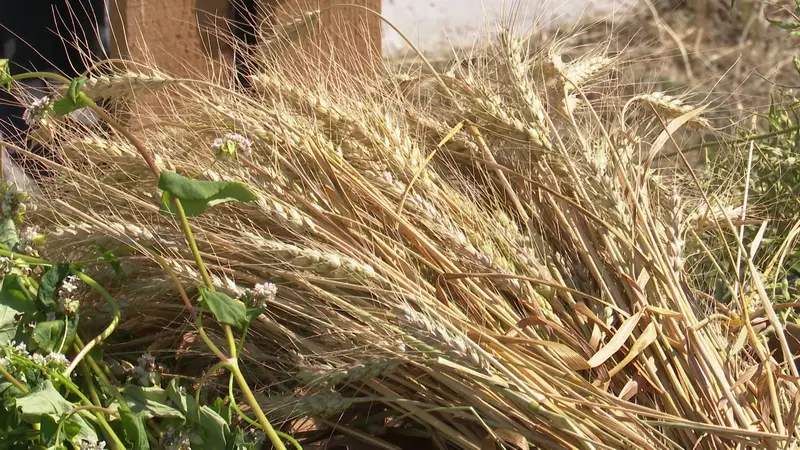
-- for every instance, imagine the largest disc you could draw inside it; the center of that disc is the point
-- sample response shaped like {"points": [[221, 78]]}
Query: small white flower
{"points": [[28, 241], [21, 349], [6, 265], [67, 303], [228, 146], [38, 111], [90, 444], [38, 359], [145, 370], [177, 439], [260, 295], [56, 361]]}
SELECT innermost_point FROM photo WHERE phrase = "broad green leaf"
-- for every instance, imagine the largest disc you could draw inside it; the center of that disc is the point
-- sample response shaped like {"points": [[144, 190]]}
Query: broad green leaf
{"points": [[48, 335], [14, 300], [5, 74], [796, 62], [73, 100], [48, 431], [49, 283], [8, 234], [134, 430], [8, 324], [212, 428], [48, 401], [14, 295], [150, 401], [227, 310], [197, 196]]}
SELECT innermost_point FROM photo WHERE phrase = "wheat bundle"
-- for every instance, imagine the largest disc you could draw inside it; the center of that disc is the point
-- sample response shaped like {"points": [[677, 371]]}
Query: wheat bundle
{"points": [[479, 257]]}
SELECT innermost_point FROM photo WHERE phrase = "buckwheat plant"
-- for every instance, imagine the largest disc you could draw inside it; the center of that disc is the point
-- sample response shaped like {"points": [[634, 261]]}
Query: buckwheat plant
{"points": [[55, 383]]}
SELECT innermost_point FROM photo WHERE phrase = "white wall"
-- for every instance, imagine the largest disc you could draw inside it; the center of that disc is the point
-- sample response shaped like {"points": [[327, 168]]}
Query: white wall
{"points": [[438, 25]]}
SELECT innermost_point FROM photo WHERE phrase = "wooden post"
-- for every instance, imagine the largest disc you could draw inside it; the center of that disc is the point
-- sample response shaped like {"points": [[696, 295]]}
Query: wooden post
{"points": [[347, 35], [170, 33]]}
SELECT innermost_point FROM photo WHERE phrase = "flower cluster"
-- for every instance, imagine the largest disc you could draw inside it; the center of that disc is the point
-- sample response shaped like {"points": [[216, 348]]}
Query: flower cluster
{"points": [[14, 203], [68, 302], [39, 111], [227, 147], [14, 353], [146, 370], [90, 444], [177, 439], [29, 240], [260, 295]]}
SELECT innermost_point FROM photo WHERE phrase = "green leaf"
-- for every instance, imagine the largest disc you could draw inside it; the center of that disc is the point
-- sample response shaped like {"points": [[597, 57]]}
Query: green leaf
{"points": [[784, 25], [48, 431], [5, 74], [14, 300], [14, 295], [8, 234], [48, 335], [134, 430], [227, 310], [48, 401], [73, 100], [212, 428], [149, 401], [197, 196], [49, 283]]}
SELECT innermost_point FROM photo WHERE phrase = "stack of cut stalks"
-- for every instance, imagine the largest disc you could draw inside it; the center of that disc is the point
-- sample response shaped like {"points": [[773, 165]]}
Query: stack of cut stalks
{"points": [[476, 258]]}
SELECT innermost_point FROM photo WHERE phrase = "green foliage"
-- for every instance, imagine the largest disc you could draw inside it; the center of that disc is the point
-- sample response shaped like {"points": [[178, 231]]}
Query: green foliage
{"points": [[197, 196], [225, 309], [73, 100], [5, 74], [53, 403]]}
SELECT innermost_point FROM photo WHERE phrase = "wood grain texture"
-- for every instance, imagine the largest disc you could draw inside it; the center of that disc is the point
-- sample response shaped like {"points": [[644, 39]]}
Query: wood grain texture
{"points": [[171, 33]]}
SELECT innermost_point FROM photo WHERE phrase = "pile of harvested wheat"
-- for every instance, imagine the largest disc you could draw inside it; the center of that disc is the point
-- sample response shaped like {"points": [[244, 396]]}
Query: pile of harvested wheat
{"points": [[476, 258]]}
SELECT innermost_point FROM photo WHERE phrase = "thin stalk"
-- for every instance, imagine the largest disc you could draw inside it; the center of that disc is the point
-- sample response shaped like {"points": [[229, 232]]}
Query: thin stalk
{"points": [[233, 366], [198, 259], [37, 75], [111, 327], [252, 422], [148, 158], [95, 404], [13, 380], [188, 304]]}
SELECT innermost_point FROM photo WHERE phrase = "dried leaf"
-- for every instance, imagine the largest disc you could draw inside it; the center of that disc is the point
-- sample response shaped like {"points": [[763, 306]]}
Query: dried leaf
{"points": [[616, 342]]}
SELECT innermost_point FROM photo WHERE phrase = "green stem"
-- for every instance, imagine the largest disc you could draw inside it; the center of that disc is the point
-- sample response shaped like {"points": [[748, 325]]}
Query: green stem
{"points": [[28, 259], [13, 380], [37, 75], [252, 422], [89, 359], [111, 327], [96, 403], [187, 230], [233, 366], [205, 378]]}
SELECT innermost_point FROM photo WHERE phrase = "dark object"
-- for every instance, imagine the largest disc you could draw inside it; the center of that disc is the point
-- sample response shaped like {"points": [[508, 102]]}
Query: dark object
{"points": [[35, 35]]}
